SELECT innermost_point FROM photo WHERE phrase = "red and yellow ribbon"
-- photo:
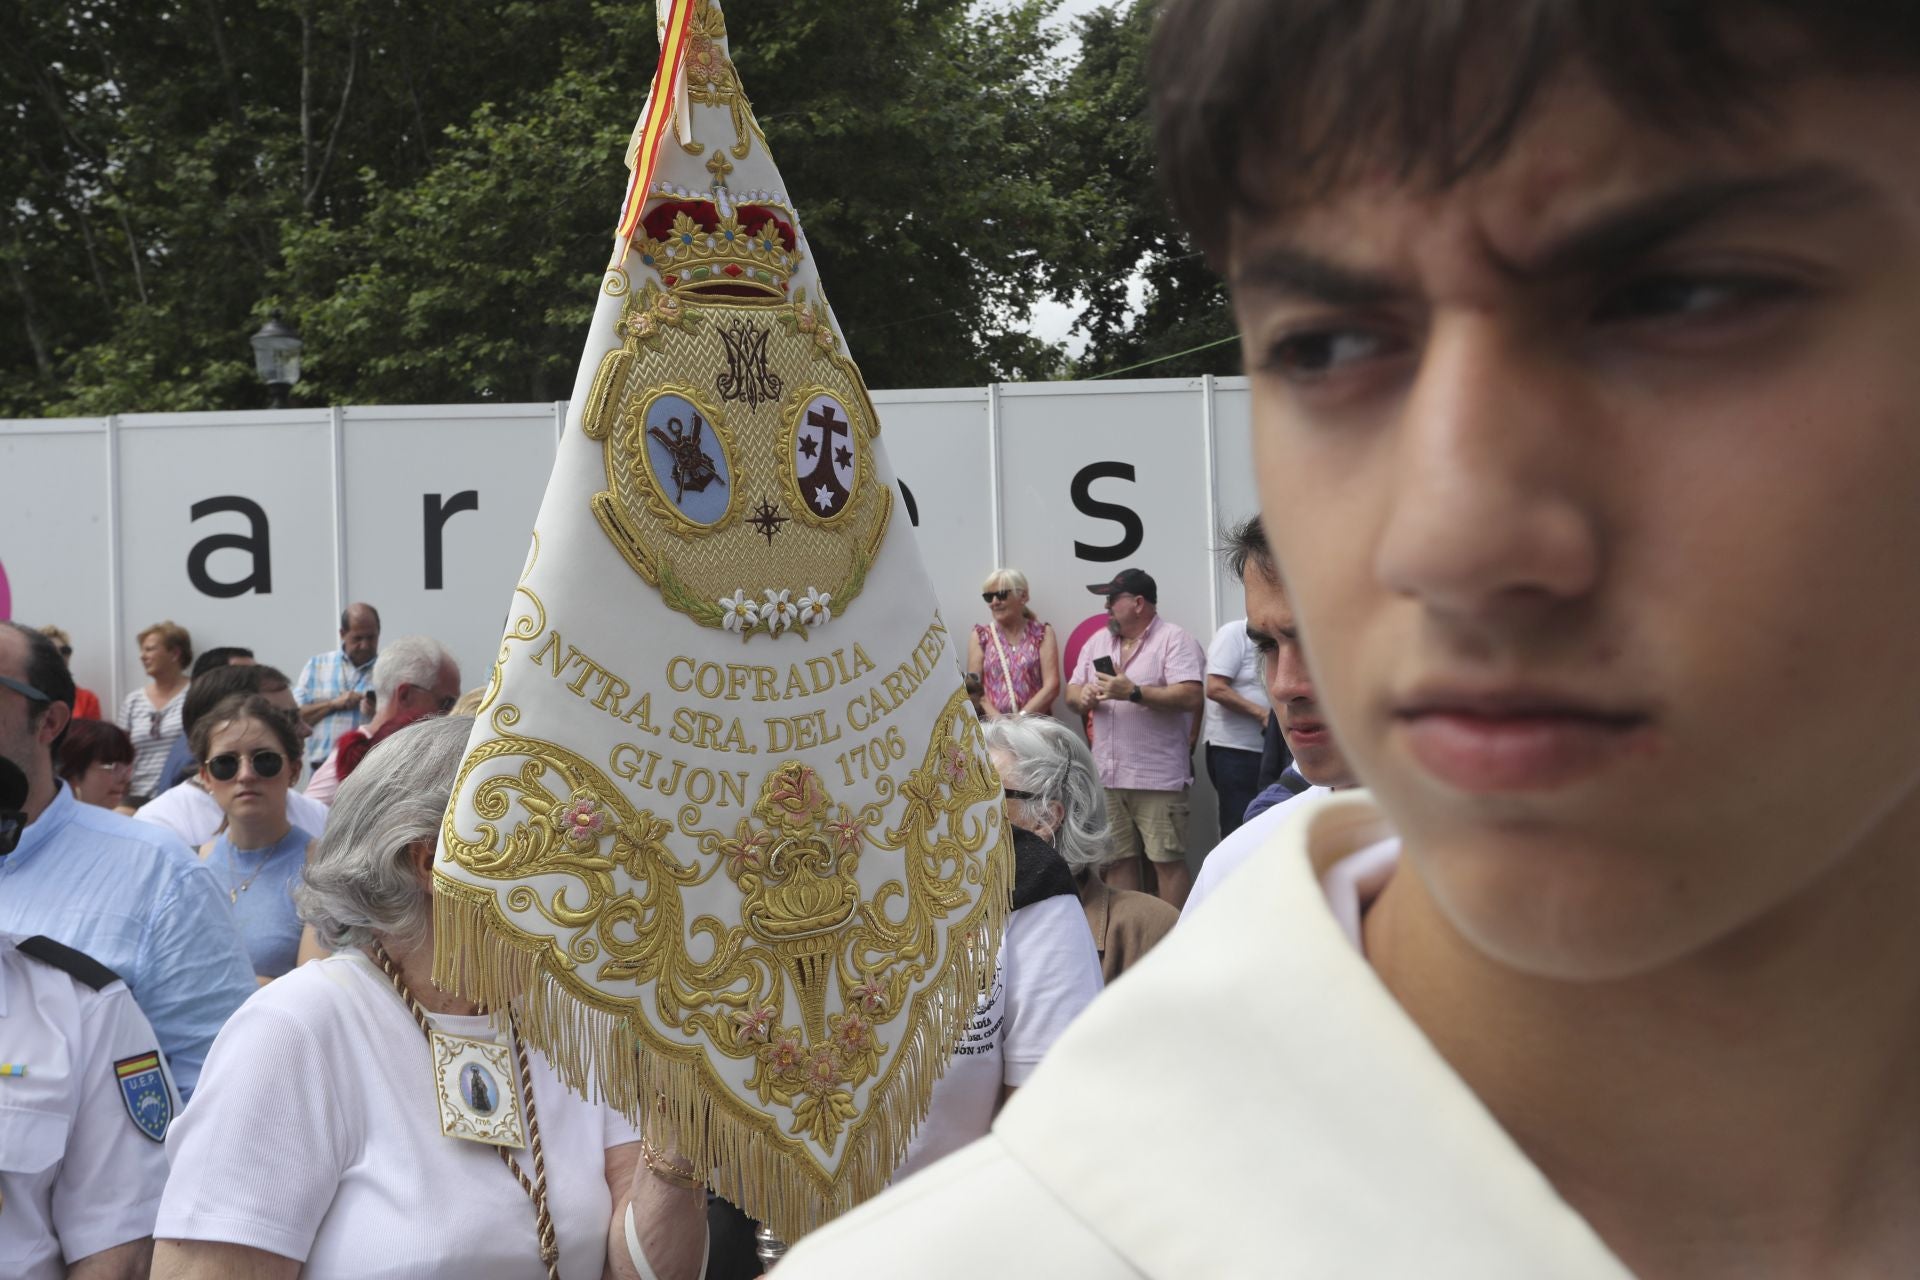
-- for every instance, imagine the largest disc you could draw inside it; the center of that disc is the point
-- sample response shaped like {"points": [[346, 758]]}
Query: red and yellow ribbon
{"points": [[654, 124]]}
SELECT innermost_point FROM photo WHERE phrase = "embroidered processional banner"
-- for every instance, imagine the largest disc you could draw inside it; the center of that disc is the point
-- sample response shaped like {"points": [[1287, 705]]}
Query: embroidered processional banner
{"points": [[726, 840]]}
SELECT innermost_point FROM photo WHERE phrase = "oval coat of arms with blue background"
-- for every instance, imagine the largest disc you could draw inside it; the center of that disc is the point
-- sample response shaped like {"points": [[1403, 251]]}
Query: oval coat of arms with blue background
{"points": [[687, 459]]}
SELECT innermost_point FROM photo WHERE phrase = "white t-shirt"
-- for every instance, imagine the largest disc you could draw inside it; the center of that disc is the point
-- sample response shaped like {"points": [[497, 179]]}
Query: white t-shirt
{"points": [[78, 1173], [194, 816], [1233, 655], [315, 1134], [1048, 972]]}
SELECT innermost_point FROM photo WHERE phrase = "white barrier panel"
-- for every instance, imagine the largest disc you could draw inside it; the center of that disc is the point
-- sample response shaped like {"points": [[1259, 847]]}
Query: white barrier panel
{"points": [[254, 529]]}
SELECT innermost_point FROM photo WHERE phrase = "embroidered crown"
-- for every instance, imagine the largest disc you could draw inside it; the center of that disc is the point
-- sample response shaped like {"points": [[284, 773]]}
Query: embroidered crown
{"points": [[707, 244]]}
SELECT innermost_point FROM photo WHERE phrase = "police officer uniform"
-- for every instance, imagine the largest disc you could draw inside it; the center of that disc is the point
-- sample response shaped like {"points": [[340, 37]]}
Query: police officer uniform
{"points": [[85, 1099]]}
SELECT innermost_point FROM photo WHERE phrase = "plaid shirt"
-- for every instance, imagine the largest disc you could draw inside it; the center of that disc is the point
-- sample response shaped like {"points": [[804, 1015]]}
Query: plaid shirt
{"points": [[328, 675]]}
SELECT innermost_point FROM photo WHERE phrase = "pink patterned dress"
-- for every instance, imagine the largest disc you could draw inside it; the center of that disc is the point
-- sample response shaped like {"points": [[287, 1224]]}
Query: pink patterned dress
{"points": [[1023, 660]]}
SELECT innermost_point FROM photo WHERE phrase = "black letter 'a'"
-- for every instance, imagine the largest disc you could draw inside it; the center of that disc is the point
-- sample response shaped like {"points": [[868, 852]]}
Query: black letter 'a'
{"points": [[254, 544], [433, 517], [1126, 517]]}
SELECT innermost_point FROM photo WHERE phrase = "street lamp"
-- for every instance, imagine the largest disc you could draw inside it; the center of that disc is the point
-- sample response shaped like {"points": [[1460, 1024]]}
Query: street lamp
{"points": [[276, 354]]}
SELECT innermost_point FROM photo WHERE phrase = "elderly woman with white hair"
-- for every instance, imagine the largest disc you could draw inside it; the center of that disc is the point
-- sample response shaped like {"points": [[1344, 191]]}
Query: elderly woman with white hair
{"points": [[1054, 794], [317, 1142], [1016, 656], [1048, 973]]}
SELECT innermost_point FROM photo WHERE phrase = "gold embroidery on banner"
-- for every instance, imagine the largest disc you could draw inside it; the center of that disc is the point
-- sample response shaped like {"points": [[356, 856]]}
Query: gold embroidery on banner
{"points": [[525, 626], [778, 572], [712, 81], [812, 985], [746, 376]]}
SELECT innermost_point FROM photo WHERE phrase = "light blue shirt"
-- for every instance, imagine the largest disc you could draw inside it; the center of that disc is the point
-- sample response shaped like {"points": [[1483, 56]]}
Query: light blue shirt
{"points": [[259, 883], [131, 896], [328, 675]]}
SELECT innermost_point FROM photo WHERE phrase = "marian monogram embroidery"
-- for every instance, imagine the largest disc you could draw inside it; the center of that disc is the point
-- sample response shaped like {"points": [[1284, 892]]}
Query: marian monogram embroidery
{"points": [[747, 376]]}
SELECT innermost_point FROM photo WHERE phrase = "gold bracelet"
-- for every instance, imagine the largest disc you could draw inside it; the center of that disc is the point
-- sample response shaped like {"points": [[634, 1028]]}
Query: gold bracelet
{"points": [[673, 1175]]}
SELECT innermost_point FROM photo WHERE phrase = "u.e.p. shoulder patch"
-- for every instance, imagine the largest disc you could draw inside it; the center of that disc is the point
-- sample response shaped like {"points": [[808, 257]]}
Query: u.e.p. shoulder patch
{"points": [[143, 1086]]}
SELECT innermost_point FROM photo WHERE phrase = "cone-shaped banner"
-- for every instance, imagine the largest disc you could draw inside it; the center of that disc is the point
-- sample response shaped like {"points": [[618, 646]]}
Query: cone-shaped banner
{"points": [[726, 840]]}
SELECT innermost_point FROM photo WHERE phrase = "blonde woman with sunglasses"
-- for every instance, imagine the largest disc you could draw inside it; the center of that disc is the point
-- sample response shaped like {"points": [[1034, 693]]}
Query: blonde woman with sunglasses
{"points": [[1016, 656], [249, 758]]}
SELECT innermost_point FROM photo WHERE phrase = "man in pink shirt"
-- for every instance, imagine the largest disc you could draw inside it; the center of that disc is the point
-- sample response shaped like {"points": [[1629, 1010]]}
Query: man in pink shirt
{"points": [[1141, 681]]}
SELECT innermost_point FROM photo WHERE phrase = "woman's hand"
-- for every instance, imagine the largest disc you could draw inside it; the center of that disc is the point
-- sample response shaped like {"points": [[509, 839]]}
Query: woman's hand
{"points": [[669, 1218]]}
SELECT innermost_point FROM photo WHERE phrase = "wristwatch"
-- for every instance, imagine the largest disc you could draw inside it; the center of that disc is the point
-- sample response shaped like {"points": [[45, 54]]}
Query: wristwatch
{"points": [[1135, 695]]}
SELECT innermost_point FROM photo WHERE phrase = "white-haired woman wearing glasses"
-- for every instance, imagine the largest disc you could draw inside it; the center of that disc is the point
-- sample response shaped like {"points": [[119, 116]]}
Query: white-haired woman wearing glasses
{"points": [[314, 1144], [1048, 973], [1054, 794], [1016, 656]]}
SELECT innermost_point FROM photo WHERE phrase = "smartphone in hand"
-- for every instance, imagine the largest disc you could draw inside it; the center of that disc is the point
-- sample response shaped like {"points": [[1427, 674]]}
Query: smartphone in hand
{"points": [[1104, 665]]}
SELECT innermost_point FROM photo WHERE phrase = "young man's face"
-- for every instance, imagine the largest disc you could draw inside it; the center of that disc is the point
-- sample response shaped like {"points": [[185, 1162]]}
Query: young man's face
{"points": [[1283, 663], [1598, 480]]}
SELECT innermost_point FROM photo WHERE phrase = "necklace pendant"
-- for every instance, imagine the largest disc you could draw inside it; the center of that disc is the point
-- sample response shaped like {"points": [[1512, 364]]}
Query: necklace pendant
{"points": [[233, 896], [474, 1082]]}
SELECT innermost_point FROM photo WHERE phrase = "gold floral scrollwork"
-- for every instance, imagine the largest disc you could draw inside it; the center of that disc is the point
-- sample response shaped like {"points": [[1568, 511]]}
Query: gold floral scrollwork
{"points": [[805, 973], [712, 81]]}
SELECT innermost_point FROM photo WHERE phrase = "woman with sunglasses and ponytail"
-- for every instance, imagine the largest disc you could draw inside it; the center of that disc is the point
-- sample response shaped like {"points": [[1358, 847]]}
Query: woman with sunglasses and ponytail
{"points": [[249, 757], [1016, 656]]}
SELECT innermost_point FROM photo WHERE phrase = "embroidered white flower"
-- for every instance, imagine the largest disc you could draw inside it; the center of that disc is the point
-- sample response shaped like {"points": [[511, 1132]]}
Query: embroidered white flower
{"points": [[778, 611], [814, 610], [741, 613]]}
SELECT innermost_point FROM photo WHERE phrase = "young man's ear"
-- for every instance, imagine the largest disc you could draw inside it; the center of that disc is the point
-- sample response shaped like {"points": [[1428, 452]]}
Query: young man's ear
{"points": [[53, 723]]}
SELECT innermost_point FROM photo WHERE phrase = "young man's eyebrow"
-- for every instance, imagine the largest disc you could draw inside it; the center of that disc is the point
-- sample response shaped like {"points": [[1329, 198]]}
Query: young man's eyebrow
{"points": [[1610, 239], [1279, 269], [1618, 236]]}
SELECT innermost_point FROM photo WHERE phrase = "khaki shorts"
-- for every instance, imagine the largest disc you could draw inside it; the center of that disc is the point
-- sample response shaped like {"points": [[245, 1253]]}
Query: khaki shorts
{"points": [[1149, 822]]}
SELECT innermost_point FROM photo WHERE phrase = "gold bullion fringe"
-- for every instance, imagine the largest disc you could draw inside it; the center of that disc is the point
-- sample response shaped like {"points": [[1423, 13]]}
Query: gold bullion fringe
{"points": [[607, 1056]]}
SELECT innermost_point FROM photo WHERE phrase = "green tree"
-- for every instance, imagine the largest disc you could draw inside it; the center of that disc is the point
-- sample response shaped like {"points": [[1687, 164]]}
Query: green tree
{"points": [[427, 188], [1108, 155]]}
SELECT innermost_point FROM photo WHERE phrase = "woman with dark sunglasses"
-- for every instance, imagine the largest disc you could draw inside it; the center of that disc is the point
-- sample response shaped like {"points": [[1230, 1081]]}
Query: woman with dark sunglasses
{"points": [[1016, 656], [249, 757]]}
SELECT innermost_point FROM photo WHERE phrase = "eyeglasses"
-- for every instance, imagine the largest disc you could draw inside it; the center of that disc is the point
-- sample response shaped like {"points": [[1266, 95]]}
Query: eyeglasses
{"points": [[446, 703], [1014, 793], [66, 651], [25, 690], [225, 767], [994, 597]]}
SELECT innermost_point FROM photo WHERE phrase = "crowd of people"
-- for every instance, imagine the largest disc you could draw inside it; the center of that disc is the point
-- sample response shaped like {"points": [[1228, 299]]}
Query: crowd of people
{"points": [[1584, 429], [237, 831]]}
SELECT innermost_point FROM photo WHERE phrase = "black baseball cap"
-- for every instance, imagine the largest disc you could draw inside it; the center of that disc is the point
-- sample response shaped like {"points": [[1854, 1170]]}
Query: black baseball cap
{"points": [[1129, 582]]}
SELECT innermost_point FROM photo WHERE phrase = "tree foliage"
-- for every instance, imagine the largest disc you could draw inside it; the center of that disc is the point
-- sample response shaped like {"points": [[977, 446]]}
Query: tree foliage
{"points": [[1128, 234], [427, 188]]}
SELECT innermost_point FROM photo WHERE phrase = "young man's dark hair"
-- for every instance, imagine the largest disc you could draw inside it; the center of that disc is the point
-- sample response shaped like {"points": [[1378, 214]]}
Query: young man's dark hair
{"points": [[1264, 103], [214, 659], [1246, 544]]}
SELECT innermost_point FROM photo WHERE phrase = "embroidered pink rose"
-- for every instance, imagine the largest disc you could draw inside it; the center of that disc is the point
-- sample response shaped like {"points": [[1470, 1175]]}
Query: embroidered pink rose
{"points": [[853, 1033], [784, 1054], [582, 820], [755, 1024]]}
